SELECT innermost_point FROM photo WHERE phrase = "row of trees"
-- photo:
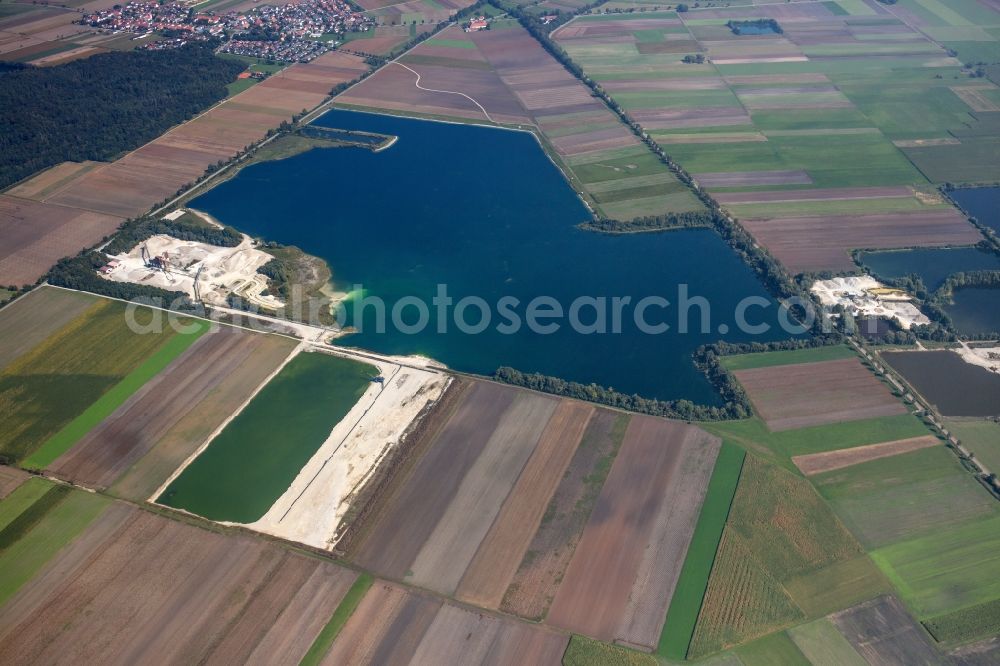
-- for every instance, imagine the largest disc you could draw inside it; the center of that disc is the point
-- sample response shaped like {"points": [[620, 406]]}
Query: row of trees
{"points": [[99, 107], [80, 272], [133, 232]]}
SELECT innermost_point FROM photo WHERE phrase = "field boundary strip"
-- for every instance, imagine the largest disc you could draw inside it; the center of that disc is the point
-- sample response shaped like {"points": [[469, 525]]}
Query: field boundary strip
{"points": [[350, 602], [106, 405], [682, 614]]}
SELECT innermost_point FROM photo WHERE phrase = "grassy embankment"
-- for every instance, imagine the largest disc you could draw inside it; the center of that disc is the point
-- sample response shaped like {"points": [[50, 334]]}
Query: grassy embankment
{"points": [[340, 617]]}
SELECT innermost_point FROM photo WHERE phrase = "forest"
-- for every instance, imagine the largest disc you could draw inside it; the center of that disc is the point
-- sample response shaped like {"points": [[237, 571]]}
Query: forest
{"points": [[100, 107]]}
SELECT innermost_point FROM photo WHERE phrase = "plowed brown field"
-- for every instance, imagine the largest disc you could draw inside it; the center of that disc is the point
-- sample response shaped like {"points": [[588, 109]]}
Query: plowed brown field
{"points": [[139, 588], [809, 394], [620, 580], [394, 627]]}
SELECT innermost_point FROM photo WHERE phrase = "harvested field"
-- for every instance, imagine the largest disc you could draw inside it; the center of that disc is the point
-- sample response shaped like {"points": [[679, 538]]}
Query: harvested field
{"points": [[843, 193], [36, 235], [884, 634], [33, 317], [452, 544], [138, 587], [809, 394], [132, 431], [817, 463], [541, 571], [501, 551], [823, 243], [50, 181], [623, 572], [396, 626], [10, 479], [414, 510]]}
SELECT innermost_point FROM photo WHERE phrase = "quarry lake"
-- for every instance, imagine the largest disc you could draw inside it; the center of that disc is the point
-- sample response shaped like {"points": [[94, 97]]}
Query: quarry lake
{"points": [[486, 213]]}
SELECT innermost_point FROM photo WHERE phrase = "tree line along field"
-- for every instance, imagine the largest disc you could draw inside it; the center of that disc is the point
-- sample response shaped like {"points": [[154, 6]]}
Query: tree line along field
{"points": [[810, 136], [53, 215], [513, 81]]}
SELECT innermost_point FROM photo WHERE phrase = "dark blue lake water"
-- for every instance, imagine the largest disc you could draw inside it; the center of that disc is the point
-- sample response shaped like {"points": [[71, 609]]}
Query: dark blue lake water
{"points": [[983, 203], [933, 265], [975, 311], [485, 212]]}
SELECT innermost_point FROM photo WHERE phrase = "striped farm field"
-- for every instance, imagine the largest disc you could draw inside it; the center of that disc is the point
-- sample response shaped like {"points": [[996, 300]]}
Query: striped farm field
{"points": [[66, 374]]}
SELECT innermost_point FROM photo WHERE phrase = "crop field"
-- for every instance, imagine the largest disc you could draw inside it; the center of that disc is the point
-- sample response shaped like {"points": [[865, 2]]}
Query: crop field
{"points": [[768, 359], [40, 519], [10, 479], [624, 570], [810, 394], [136, 587], [512, 80], [784, 557], [949, 569], [982, 437], [811, 135], [420, 12], [242, 471], [393, 625], [883, 633], [821, 643], [904, 497], [543, 566], [128, 434], [818, 463], [57, 380], [37, 315]]}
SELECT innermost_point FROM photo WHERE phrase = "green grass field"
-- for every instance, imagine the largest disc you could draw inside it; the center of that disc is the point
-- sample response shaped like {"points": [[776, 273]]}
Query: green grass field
{"points": [[951, 568], [980, 437], [22, 560], [823, 645], [906, 496], [779, 447], [337, 621], [682, 616], [18, 501], [248, 466], [58, 380], [771, 359], [774, 649], [76, 429]]}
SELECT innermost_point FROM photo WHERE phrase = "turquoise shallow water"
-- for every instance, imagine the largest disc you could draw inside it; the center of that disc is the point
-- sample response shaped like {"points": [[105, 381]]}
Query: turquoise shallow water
{"points": [[485, 212]]}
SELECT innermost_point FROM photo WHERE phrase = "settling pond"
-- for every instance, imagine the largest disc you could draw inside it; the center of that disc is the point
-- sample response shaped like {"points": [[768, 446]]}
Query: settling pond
{"points": [[933, 265], [485, 212], [982, 203], [955, 387]]}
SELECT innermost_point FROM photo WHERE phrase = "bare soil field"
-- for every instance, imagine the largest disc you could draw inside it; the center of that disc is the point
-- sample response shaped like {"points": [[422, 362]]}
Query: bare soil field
{"points": [[809, 394], [115, 445], [413, 511], [172, 447], [817, 463], [501, 551], [623, 572], [452, 544], [138, 587], [394, 626], [824, 243], [34, 235], [30, 319], [541, 571], [885, 635], [46, 183], [10, 479]]}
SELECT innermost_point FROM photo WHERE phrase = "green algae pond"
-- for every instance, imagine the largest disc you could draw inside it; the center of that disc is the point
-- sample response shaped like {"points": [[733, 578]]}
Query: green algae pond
{"points": [[255, 458]]}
